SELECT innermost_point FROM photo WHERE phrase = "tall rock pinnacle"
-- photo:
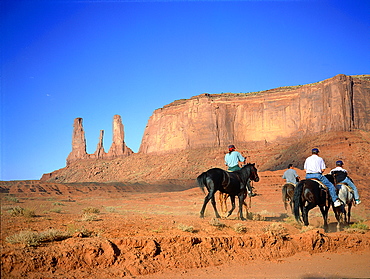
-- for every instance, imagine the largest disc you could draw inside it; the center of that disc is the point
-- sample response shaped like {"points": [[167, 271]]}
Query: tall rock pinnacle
{"points": [[118, 147], [78, 143], [100, 153]]}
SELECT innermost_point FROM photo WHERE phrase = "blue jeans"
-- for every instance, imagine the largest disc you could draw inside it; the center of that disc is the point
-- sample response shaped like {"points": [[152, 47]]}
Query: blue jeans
{"points": [[350, 184], [327, 183]]}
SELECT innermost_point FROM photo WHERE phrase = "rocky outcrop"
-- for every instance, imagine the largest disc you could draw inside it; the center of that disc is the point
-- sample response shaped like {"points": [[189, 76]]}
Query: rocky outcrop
{"points": [[341, 103], [118, 147], [78, 142]]}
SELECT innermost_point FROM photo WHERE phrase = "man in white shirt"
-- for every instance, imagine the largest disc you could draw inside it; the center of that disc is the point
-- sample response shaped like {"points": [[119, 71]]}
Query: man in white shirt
{"points": [[315, 166]]}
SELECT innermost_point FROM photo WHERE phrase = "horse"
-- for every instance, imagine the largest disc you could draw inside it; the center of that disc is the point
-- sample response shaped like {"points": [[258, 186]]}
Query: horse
{"points": [[287, 195], [232, 183], [345, 194], [223, 198], [307, 195]]}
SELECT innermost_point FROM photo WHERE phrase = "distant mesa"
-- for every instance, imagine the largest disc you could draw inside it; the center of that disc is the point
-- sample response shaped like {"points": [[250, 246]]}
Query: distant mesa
{"points": [[117, 149], [341, 103]]}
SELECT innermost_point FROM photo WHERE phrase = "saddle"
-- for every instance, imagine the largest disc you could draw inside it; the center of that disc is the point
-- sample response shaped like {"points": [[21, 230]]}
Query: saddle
{"points": [[322, 185]]}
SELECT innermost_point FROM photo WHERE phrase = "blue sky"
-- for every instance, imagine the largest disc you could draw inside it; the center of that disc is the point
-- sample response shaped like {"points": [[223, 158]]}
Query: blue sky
{"points": [[94, 59]]}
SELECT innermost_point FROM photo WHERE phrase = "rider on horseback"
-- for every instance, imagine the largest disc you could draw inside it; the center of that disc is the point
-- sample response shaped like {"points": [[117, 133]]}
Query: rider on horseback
{"points": [[232, 160], [290, 175], [341, 176], [315, 166]]}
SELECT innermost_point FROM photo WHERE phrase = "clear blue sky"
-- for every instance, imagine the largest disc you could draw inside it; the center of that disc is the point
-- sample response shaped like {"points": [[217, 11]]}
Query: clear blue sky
{"points": [[94, 59]]}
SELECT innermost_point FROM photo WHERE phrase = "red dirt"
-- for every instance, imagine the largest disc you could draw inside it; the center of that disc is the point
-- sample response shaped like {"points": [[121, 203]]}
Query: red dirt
{"points": [[139, 233]]}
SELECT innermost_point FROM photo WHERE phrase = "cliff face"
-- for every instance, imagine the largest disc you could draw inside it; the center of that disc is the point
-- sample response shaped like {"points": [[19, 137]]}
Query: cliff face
{"points": [[117, 149], [341, 103]]}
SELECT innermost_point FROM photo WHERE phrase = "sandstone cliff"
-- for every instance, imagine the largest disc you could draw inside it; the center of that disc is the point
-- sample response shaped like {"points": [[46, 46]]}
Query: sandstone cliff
{"points": [[270, 128], [341, 103], [117, 149]]}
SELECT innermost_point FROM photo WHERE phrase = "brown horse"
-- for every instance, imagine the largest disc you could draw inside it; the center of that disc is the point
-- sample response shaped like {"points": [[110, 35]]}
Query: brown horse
{"points": [[232, 183], [287, 194]]}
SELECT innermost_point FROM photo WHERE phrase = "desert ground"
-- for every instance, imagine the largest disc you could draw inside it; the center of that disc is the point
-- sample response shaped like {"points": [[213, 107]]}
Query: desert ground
{"points": [[116, 230]]}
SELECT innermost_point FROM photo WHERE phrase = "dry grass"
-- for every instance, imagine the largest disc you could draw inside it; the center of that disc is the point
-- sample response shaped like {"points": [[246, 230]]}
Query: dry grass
{"points": [[91, 210], [31, 238], [276, 229], [240, 228], [185, 228], [20, 211], [216, 223]]}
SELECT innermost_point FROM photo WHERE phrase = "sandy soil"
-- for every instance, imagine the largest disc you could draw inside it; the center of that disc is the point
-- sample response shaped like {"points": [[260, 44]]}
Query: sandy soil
{"points": [[143, 231]]}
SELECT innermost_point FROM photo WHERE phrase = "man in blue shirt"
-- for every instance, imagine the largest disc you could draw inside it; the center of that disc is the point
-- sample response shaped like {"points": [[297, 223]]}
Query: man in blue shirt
{"points": [[232, 159]]}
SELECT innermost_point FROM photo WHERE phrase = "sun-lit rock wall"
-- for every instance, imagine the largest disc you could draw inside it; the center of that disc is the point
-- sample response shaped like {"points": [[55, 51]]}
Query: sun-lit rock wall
{"points": [[341, 103]]}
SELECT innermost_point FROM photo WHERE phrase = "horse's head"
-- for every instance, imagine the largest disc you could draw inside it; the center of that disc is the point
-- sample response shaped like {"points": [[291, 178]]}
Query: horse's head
{"points": [[253, 172]]}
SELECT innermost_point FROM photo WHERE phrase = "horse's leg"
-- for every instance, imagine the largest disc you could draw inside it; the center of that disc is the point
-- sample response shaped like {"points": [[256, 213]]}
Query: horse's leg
{"points": [[232, 198], [291, 205], [284, 195], [241, 202], [305, 211], [349, 213], [213, 201], [324, 211], [206, 200], [221, 200], [246, 208]]}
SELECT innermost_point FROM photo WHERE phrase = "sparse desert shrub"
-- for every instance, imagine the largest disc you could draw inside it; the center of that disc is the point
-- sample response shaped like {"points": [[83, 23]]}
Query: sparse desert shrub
{"points": [[91, 210], [240, 228], [56, 210], [20, 211], [256, 217], [30, 238], [276, 229], [216, 223], [358, 227], [110, 209], [58, 203], [11, 199], [89, 217], [185, 228]]}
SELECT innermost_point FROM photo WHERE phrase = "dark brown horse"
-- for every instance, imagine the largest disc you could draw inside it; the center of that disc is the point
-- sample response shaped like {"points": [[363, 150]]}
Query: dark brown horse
{"points": [[287, 194], [232, 183], [308, 194]]}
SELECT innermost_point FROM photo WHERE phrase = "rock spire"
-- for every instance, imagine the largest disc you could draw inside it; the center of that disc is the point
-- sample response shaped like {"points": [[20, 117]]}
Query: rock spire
{"points": [[117, 149]]}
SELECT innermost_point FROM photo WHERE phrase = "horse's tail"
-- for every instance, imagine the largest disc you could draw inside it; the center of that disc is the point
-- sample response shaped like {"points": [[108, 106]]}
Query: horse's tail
{"points": [[201, 179], [284, 196], [297, 199]]}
